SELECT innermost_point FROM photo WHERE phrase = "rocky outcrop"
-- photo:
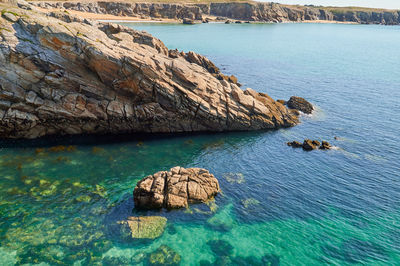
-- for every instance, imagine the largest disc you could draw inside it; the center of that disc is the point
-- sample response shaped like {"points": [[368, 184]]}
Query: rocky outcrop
{"points": [[175, 188], [247, 11], [309, 145], [148, 227], [60, 74], [325, 145], [300, 104]]}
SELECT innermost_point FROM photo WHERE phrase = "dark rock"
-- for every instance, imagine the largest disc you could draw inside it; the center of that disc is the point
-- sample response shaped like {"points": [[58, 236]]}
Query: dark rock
{"points": [[295, 144], [325, 145], [220, 247], [316, 142], [271, 260], [238, 22], [228, 22], [175, 188], [281, 101], [188, 21], [308, 145], [300, 104]]}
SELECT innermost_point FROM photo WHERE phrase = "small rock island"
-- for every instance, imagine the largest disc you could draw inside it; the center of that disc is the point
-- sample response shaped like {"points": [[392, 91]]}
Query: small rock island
{"points": [[175, 188]]}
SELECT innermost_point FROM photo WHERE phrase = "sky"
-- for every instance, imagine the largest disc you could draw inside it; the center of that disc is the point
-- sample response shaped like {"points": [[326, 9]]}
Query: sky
{"points": [[391, 4]]}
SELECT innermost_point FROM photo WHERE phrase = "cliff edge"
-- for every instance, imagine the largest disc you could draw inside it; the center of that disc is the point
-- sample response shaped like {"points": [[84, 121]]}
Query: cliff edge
{"points": [[60, 74]]}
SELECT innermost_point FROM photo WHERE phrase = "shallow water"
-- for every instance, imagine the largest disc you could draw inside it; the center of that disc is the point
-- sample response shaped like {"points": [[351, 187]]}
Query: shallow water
{"points": [[279, 205]]}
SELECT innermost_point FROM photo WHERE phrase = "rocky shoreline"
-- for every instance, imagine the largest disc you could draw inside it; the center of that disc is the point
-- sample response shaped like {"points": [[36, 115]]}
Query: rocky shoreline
{"points": [[64, 75], [244, 11]]}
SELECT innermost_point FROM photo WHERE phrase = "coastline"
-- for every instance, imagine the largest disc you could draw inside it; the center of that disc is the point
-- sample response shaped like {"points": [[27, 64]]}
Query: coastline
{"points": [[213, 19]]}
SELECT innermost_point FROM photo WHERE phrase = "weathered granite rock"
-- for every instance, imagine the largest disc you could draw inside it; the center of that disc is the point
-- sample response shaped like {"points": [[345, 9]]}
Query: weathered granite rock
{"points": [[147, 227], [175, 188], [300, 104], [247, 11], [60, 74]]}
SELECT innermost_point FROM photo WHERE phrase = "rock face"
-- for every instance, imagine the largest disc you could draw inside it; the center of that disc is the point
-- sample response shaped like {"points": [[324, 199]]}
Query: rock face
{"points": [[248, 11], [60, 74], [148, 227], [175, 188], [300, 104]]}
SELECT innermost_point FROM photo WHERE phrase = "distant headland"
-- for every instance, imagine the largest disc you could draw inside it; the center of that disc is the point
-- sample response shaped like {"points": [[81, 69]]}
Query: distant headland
{"points": [[209, 10]]}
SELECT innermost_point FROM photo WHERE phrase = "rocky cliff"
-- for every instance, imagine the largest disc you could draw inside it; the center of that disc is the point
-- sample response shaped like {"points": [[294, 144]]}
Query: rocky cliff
{"points": [[60, 74], [250, 11]]}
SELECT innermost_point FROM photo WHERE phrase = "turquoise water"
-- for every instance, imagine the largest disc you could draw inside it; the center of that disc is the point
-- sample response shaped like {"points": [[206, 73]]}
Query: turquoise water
{"points": [[279, 206]]}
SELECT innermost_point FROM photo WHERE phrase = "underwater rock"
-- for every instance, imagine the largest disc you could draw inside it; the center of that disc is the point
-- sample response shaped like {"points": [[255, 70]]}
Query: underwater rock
{"points": [[220, 247], [300, 104], [232, 178], [249, 202], [223, 220], [271, 260], [113, 261], [175, 188], [148, 227], [164, 255]]}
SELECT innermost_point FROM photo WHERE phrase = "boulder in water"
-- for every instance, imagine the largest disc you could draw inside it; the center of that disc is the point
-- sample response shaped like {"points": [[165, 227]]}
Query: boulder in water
{"points": [[175, 188], [300, 104]]}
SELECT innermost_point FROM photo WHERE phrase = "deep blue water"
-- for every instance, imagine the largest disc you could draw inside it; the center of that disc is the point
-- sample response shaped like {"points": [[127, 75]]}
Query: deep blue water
{"points": [[279, 205]]}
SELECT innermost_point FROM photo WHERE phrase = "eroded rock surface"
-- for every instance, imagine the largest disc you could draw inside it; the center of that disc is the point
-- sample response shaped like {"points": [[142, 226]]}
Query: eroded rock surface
{"points": [[300, 104], [175, 188], [60, 74]]}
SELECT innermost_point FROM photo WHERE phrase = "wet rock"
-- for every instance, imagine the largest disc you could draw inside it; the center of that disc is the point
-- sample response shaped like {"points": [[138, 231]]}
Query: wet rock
{"points": [[281, 101], [164, 255], [175, 188], [309, 145], [300, 104], [238, 22], [228, 22], [295, 144], [148, 227], [220, 248], [325, 145]]}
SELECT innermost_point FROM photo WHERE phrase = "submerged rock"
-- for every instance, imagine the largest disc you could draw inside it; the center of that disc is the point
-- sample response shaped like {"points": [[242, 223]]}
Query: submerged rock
{"points": [[60, 74], [148, 227], [220, 247], [300, 104], [164, 255], [175, 188]]}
